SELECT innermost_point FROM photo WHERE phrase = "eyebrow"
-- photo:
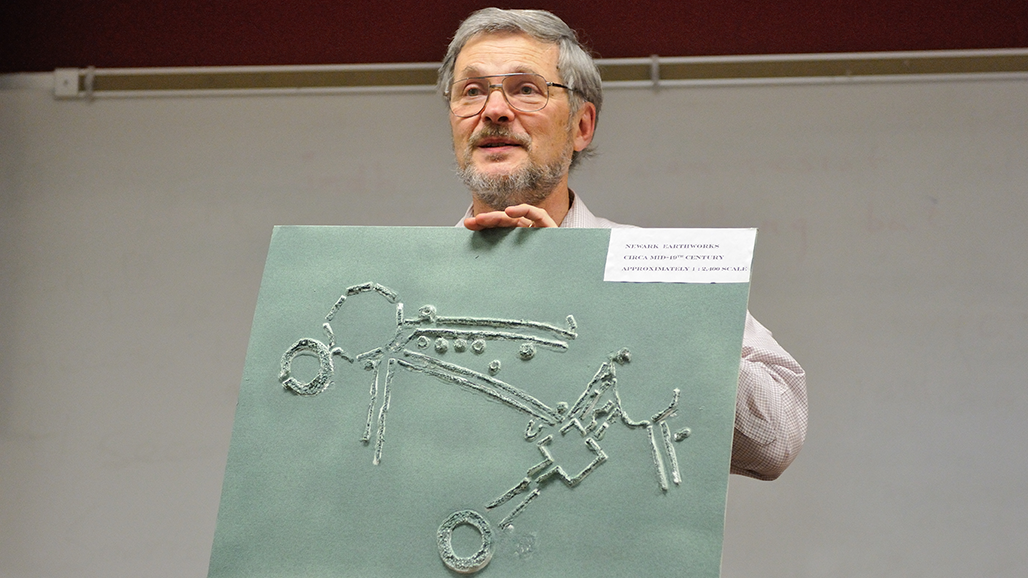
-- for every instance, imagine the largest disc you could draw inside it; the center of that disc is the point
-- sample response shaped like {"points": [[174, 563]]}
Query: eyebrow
{"points": [[472, 72]]}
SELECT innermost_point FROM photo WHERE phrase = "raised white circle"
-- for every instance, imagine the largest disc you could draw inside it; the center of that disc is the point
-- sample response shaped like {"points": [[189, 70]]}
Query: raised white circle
{"points": [[469, 564]]}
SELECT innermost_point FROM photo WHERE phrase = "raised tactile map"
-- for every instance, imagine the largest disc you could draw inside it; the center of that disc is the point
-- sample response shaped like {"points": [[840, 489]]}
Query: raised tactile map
{"points": [[436, 402]]}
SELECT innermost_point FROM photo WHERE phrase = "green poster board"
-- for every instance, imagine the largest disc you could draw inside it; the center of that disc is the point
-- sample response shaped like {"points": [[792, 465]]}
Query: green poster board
{"points": [[433, 402]]}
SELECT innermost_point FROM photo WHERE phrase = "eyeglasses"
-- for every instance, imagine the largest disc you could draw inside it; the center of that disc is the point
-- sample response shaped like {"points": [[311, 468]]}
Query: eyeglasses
{"points": [[524, 92]]}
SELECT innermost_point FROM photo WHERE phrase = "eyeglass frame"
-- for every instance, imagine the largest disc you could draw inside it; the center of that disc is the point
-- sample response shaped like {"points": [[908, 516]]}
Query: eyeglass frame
{"points": [[491, 87]]}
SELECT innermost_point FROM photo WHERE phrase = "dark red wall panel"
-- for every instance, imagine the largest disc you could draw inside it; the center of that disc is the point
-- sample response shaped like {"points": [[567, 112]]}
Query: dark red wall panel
{"points": [[42, 35]]}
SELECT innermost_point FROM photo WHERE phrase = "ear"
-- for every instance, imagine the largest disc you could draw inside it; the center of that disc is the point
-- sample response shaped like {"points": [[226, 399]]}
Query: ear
{"points": [[584, 126]]}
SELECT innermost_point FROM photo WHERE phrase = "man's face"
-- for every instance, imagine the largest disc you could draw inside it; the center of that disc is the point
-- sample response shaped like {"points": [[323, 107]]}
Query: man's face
{"points": [[503, 145]]}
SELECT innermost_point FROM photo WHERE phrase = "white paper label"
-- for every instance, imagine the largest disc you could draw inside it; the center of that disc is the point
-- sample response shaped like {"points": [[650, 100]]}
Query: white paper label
{"points": [[680, 255]]}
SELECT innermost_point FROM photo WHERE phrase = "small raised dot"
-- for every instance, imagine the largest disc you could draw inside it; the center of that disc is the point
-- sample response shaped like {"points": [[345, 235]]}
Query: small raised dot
{"points": [[494, 366], [478, 345], [682, 434], [460, 344], [442, 345], [527, 351], [623, 356], [422, 342]]}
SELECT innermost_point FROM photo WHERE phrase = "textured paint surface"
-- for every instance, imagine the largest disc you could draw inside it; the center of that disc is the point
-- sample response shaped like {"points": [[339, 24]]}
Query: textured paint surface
{"points": [[373, 441]]}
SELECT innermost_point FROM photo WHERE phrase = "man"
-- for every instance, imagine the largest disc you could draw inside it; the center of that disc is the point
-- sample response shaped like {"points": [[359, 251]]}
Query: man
{"points": [[524, 96]]}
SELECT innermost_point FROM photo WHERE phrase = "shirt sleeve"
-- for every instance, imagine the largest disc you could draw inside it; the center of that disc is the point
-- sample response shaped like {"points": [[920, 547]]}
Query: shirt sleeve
{"points": [[770, 407]]}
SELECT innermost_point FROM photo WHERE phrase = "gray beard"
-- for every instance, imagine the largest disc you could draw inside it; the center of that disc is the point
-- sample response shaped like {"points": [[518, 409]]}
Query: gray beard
{"points": [[531, 184]]}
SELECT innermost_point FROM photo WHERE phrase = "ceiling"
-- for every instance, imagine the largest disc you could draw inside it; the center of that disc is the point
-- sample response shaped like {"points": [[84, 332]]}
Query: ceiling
{"points": [[42, 35]]}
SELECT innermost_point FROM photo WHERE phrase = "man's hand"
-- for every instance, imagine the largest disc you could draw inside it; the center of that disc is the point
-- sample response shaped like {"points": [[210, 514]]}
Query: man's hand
{"points": [[516, 216]]}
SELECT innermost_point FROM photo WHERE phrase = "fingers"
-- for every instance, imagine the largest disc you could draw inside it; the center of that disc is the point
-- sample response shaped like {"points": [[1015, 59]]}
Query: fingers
{"points": [[536, 216], [516, 216], [493, 220]]}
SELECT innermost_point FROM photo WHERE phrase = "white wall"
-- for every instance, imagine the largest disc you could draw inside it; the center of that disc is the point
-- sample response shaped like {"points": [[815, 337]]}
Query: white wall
{"points": [[891, 262]]}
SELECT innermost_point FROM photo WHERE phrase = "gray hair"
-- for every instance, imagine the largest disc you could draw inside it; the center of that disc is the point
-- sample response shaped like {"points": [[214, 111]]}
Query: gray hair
{"points": [[574, 64]]}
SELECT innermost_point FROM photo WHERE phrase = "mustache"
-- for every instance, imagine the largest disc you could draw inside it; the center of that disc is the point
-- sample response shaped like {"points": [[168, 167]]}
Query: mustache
{"points": [[493, 131]]}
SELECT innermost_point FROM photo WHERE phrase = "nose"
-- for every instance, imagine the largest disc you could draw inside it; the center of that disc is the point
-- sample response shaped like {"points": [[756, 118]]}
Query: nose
{"points": [[497, 109]]}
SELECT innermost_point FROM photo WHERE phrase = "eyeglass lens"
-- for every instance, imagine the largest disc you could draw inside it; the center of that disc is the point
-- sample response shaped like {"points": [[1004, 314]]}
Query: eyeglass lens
{"points": [[524, 92]]}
